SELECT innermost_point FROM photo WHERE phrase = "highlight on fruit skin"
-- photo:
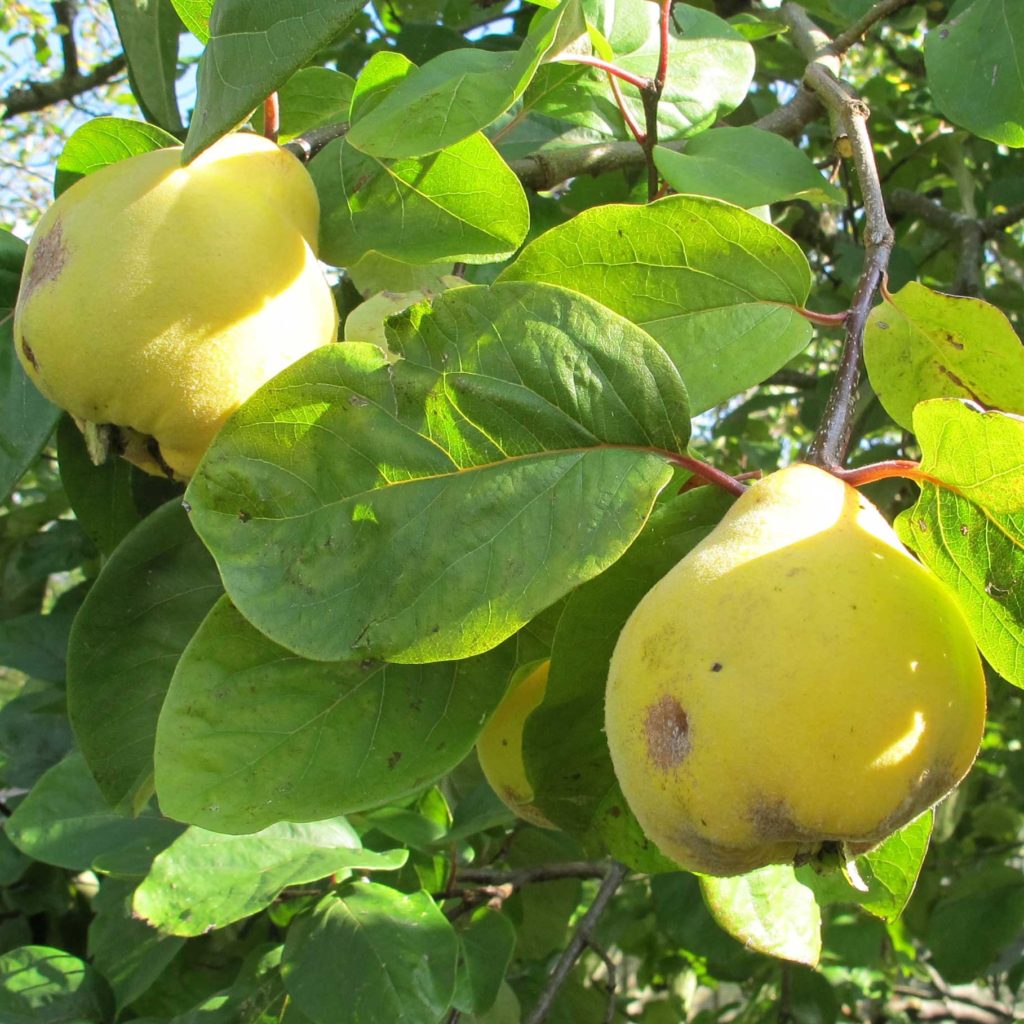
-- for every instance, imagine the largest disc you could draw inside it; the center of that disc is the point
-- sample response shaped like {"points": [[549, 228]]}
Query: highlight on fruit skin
{"points": [[157, 297], [796, 683], [500, 745]]}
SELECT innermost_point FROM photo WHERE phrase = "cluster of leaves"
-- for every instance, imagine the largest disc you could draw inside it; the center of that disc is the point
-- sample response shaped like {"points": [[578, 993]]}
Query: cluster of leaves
{"points": [[389, 532]]}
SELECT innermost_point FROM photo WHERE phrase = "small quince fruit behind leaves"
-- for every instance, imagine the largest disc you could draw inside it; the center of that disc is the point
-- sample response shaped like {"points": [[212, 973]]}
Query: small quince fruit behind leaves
{"points": [[500, 745], [157, 297], [798, 683]]}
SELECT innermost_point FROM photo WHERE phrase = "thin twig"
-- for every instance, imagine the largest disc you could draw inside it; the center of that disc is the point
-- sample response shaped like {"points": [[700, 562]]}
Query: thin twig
{"points": [[64, 12], [581, 938], [307, 145], [866, 22], [537, 873], [610, 984]]}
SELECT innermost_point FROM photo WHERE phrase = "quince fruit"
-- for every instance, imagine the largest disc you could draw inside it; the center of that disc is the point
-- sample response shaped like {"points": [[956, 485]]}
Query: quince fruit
{"points": [[797, 687], [157, 297], [500, 745]]}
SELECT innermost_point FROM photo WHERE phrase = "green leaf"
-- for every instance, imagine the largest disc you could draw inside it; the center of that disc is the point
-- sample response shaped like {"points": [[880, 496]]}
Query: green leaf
{"points": [[769, 911], [975, 921], [195, 15], [65, 821], [36, 643], [255, 47], [508, 457], [710, 68], [487, 945], [745, 166], [986, 37], [978, 452], [460, 204], [103, 141], [251, 734], [130, 954], [372, 954], [141, 612], [712, 283], [458, 93], [921, 344], [463, 203], [889, 871], [205, 880], [41, 985], [149, 34], [26, 418], [564, 746], [976, 547]]}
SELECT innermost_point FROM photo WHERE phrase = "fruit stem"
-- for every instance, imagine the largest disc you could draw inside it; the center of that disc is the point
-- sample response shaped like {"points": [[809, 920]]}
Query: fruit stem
{"points": [[271, 117]]}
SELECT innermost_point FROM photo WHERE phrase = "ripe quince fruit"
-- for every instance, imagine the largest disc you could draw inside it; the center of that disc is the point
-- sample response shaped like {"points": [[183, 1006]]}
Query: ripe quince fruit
{"points": [[797, 685], [500, 745], [157, 297]]}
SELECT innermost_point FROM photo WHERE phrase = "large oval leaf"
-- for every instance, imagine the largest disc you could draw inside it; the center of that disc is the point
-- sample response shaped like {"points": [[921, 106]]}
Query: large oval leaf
{"points": [[711, 282], [429, 509], [148, 601], [372, 954], [251, 734]]}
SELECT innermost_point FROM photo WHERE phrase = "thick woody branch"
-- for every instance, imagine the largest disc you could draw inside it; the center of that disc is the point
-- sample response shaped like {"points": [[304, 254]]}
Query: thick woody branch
{"points": [[33, 96], [849, 116]]}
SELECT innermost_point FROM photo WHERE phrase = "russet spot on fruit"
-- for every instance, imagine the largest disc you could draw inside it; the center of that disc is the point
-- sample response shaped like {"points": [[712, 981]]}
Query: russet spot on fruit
{"points": [[157, 297], [500, 745], [798, 680]]}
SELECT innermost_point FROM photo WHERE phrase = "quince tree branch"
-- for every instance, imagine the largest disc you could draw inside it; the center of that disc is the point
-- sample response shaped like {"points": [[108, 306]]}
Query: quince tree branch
{"points": [[33, 96], [582, 938], [849, 116]]}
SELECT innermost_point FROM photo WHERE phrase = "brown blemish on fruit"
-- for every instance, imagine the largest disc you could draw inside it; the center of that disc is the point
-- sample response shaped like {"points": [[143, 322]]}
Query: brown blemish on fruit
{"points": [[27, 352], [667, 730], [48, 259]]}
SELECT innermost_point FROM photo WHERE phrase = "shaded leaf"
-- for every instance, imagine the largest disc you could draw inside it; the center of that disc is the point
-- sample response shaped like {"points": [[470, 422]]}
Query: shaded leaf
{"points": [[26, 418], [504, 460], [973, 923], [130, 954], [141, 612], [986, 36], [149, 34], [65, 821], [745, 166], [769, 911], [252, 734], [921, 344], [41, 985], [205, 880], [711, 282], [372, 954], [255, 47], [312, 97], [487, 945]]}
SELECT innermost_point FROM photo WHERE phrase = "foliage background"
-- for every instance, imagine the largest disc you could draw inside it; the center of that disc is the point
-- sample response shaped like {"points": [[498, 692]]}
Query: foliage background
{"points": [[69, 864]]}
